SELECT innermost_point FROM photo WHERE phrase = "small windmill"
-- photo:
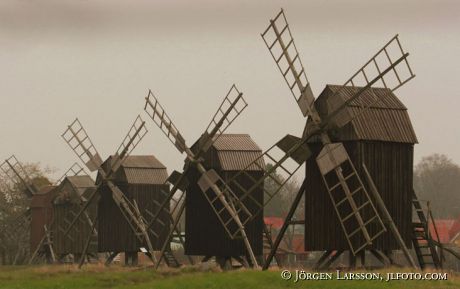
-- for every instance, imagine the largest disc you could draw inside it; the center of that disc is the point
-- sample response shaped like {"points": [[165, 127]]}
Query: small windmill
{"points": [[78, 140], [231, 214], [359, 219], [14, 170], [51, 232]]}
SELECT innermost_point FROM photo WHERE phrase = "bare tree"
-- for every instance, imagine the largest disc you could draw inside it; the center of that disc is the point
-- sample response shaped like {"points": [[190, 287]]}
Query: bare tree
{"points": [[14, 206], [437, 179]]}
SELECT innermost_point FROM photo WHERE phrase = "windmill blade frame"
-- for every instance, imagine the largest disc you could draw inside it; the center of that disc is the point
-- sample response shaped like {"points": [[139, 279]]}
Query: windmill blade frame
{"points": [[14, 170], [136, 133], [395, 68], [231, 107], [162, 120], [157, 113], [288, 61], [75, 170], [78, 140]]}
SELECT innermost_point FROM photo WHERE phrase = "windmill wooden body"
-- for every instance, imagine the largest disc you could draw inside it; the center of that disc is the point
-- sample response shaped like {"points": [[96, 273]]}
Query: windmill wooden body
{"points": [[41, 215], [79, 141], [382, 138], [229, 154], [39, 218], [141, 179], [363, 219], [38, 215], [231, 214], [68, 198]]}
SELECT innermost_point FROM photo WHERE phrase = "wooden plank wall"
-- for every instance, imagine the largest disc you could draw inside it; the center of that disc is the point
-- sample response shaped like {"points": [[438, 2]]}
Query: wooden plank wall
{"points": [[114, 232], [391, 167]]}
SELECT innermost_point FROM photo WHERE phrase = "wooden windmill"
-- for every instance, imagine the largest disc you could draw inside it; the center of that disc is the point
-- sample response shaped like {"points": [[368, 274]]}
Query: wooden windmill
{"points": [[79, 141], [38, 225], [68, 198], [38, 218], [56, 219], [360, 220], [230, 213]]}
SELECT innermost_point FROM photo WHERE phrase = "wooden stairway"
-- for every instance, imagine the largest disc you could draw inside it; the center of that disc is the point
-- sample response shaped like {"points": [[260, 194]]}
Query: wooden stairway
{"points": [[424, 245]]}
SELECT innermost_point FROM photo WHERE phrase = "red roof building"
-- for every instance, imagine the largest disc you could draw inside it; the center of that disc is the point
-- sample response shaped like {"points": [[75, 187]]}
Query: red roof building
{"points": [[448, 230], [274, 222]]}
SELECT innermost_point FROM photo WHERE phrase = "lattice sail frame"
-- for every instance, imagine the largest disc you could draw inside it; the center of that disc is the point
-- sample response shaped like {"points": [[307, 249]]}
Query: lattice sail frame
{"points": [[288, 61], [300, 89], [75, 170], [230, 104], [286, 156], [78, 140], [389, 67], [135, 134], [157, 113], [15, 171], [231, 107]]}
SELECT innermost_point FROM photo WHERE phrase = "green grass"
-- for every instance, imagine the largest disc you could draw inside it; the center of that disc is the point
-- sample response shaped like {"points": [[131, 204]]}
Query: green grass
{"points": [[95, 277]]}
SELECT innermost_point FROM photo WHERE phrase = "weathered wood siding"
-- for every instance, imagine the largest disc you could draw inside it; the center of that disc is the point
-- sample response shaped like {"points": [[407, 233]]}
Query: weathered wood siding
{"points": [[204, 233], [391, 167], [114, 232]]}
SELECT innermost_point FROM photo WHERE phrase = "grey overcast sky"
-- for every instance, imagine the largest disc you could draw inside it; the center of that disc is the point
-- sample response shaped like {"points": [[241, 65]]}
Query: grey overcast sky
{"points": [[97, 59]]}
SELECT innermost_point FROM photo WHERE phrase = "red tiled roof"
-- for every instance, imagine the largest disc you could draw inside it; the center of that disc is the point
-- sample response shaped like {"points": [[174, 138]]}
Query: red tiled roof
{"points": [[455, 229], [444, 229], [274, 222]]}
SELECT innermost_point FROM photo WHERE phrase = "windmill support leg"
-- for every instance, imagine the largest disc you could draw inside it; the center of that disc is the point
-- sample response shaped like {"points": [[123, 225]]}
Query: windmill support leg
{"points": [[110, 258], [88, 241], [170, 235], [145, 233], [323, 257], [387, 219], [381, 257], [206, 259], [362, 257], [352, 260], [286, 223], [332, 259], [242, 260], [268, 236], [389, 254], [34, 255]]}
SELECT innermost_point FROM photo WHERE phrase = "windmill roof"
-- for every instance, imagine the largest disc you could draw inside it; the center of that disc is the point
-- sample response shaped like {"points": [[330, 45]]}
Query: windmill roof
{"points": [[82, 185], [141, 169], [235, 142], [83, 181], [388, 100], [146, 162], [43, 197], [236, 151], [384, 120]]}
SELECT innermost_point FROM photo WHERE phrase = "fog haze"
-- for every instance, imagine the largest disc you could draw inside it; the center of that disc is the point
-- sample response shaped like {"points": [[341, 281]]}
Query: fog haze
{"points": [[60, 59]]}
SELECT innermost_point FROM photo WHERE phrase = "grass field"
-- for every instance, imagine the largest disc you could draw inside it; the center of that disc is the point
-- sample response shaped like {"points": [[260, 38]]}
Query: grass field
{"points": [[95, 276]]}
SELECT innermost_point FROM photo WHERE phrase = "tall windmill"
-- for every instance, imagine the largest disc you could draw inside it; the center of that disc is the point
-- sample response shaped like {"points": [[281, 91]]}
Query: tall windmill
{"points": [[359, 219], [78, 140], [231, 214]]}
